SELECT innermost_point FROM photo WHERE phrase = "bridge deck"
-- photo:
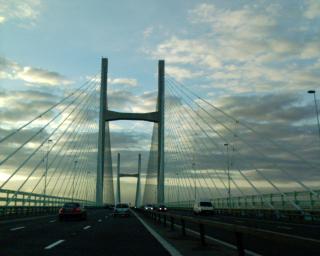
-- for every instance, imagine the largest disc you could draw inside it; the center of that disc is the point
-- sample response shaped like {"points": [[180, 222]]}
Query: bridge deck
{"points": [[110, 236]]}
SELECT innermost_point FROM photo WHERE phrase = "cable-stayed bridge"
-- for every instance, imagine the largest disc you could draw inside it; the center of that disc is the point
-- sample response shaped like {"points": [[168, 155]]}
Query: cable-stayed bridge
{"points": [[198, 150]]}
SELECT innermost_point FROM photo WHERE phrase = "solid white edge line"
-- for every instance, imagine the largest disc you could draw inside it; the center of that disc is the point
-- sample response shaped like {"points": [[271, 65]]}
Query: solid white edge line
{"points": [[173, 251], [53, 244], [87, 227], [17, 228]]}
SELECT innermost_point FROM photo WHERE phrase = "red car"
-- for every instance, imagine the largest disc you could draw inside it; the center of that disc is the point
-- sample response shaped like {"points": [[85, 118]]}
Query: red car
{"points": [[72, 210]]}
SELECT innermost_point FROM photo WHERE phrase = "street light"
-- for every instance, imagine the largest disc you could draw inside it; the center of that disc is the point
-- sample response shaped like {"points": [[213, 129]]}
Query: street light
{"points": [[74, 177], [87, 187], [46, 173], [316, 107], [178, 188], [195, 181], [228, 164]]}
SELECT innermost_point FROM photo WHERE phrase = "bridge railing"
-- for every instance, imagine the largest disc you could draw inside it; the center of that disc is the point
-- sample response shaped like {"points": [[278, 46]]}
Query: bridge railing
{"points": [[304, 199], [24, 203]]}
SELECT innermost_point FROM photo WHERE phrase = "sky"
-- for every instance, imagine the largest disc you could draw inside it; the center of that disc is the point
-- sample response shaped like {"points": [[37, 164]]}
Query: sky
{"points": [[254, 59]]}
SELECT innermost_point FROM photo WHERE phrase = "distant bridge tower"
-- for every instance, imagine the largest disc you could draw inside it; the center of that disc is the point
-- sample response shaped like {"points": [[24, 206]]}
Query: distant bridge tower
{"points": [[104, 137], [135, 175]]}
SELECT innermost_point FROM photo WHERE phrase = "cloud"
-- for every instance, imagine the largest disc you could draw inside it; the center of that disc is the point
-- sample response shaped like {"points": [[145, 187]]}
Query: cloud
{"points": [[180, 73], [123, 81], [25, 13], [244, 49], [312, 10], [187, 52], [147, 32], [14, 71]]}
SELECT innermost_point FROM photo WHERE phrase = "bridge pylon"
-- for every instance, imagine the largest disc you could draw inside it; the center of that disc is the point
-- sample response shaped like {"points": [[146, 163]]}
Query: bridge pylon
{"points": [[107, 116], [135, 175]]}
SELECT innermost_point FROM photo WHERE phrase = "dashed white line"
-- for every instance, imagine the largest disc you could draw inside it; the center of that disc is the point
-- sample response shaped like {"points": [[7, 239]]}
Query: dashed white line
{"points": [[86, 227], [51, 221], [99, 220], [17, 228], [106, 217], [284, 227], [53, 244]]}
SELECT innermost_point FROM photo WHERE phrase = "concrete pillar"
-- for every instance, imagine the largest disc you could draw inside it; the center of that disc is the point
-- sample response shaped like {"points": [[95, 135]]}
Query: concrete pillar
{"points": [[161, 94], [118, 180], [101, 141], [138, 192]]}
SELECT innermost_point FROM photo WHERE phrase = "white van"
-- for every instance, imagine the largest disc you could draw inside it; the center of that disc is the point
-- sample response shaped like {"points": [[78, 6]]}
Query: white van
{"points": [[203, 207]]}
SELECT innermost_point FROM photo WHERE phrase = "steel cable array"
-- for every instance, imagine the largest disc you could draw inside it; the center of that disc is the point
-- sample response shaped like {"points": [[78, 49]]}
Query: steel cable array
{"points": [[54, 154]]}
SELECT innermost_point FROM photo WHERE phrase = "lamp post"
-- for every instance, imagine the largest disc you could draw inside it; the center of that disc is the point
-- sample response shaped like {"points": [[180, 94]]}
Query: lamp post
{"points": [[228, 173], [87, 187], [316, 107], [178, 197], [74, 177], [195, 181], [46, 173]]}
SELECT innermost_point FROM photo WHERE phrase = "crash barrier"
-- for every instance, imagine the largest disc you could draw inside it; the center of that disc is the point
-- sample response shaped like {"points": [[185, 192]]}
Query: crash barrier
{"points": [[17, 211], [265, 214], [238, 231], [304, 200], [18, 203]]}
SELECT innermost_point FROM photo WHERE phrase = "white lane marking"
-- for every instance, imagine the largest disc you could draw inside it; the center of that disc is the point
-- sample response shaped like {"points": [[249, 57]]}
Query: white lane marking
{"points": [[284, 227], [106, 217], [51, 221], [239, 221], [17, 228], [26, 219], [53, 244], [173, 251], [99, 220], [86, 227]]}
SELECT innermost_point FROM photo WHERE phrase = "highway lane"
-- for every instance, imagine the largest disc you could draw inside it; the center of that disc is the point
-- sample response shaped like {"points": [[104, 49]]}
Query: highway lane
{"points": [[256, 244], [101, 234]]}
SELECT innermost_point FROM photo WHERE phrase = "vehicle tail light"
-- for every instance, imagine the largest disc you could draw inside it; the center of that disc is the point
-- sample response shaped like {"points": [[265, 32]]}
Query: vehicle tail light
{"points": [[78, 209]]}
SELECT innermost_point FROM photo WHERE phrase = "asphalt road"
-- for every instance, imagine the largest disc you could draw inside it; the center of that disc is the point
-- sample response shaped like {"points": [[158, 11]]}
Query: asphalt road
{"points": [[256, 244], [101, 234]]}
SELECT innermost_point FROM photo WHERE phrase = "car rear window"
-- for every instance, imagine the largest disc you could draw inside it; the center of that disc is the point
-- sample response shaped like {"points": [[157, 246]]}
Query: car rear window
{"points": [[71, 205], [208, 204], [122, 206]]}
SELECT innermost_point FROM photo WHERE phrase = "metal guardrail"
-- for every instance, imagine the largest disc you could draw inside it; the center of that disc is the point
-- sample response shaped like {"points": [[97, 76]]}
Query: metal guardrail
{"points": [[304, 199], [291, 216], [19, 211], [16, 204], [239, 231]]}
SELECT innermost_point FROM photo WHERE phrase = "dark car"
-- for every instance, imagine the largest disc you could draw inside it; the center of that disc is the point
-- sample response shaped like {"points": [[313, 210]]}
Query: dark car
{"points": [[161, 208], [72, 211]]}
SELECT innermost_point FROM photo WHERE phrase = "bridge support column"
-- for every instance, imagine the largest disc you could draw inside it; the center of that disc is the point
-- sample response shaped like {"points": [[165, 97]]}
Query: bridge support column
{"points": [[138, 193], [160, 188], [101, 140], [118, 180]]}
